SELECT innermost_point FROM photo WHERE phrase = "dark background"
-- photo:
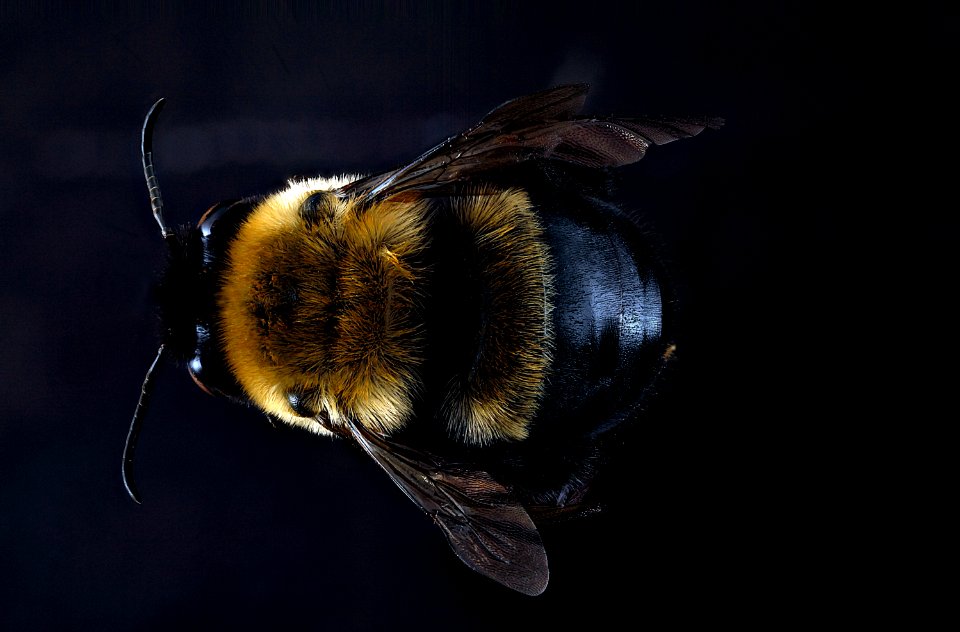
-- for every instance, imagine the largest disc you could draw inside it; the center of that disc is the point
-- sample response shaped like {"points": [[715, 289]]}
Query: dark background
{"points": [[722, 511]]}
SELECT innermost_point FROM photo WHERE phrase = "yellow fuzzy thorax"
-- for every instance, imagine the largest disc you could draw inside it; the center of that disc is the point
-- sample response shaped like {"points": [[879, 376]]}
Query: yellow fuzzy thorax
{"points": [[329, 309], [326, 309]]}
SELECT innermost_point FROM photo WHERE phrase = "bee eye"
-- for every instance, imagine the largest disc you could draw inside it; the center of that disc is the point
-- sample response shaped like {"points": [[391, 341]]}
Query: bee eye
{"points": [[211, 376], [195, 368], [318, 207], [212, 216]]}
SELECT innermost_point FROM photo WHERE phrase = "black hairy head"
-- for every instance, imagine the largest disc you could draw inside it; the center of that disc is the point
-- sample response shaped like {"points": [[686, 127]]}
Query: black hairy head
{"points": [[183, 295]]}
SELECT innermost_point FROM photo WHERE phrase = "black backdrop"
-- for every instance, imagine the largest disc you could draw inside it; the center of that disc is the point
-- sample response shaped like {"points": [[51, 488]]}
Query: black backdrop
{"points": [[719, 517]]}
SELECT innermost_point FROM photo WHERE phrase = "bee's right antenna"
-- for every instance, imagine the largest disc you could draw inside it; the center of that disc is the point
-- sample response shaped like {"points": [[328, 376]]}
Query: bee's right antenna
{"points": [[146, 153]]}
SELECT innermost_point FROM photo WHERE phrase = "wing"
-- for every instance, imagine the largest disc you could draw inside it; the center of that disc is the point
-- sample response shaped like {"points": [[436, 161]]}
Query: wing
{"points": [[485, 525], [542, 125]]}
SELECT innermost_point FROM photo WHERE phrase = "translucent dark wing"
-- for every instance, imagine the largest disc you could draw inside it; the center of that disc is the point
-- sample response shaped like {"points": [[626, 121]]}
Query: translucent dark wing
{"points": [[485, 525], [554, 104], [542, 125]]}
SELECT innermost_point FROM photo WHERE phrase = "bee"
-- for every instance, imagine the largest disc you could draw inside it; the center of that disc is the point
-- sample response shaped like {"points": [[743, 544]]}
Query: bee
{"points": [[476, 321]]}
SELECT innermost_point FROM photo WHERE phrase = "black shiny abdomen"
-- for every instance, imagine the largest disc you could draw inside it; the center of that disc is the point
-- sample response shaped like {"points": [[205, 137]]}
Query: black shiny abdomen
{"points": [[608, 319], [611, 320]]}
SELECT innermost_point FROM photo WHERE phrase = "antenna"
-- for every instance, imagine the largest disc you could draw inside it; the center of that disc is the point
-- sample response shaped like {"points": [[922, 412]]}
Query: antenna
{"points": [[146, 153], [131, 446], [156, 205]]}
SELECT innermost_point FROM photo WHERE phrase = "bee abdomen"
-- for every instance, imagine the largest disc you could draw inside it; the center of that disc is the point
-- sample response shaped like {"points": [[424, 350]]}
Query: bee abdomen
{"points": [[489, 326], [608, 317]]}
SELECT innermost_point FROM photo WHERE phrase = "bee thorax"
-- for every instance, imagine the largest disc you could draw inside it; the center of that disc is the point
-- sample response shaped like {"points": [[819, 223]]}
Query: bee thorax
{"points": [[320, 314]]}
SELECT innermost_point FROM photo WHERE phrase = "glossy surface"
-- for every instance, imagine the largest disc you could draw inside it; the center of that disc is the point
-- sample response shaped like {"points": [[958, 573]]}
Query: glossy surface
{"points": [[608, 317]]}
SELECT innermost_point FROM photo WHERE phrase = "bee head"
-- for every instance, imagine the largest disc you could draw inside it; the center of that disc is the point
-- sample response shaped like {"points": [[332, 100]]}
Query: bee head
{"points": [[186, 295]]}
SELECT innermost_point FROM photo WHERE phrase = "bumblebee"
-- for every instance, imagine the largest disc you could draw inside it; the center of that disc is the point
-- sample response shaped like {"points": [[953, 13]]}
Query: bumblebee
{"points": [[476, 321]]}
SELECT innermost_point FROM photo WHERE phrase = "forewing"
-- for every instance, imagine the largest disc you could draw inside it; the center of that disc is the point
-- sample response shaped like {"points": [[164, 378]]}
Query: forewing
{"points": [[484, 523], [553, 104], [538, 126]]}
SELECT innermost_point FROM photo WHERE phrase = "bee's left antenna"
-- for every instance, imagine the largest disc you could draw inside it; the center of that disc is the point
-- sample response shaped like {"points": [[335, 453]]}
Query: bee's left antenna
{"points": [[135, 426], [146, 153]]}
